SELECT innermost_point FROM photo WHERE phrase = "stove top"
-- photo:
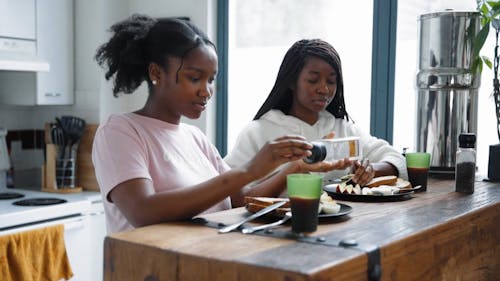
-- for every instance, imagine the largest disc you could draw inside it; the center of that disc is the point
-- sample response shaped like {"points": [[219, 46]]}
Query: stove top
{"points": [[12, 215], [39, 201], [10, 195]]}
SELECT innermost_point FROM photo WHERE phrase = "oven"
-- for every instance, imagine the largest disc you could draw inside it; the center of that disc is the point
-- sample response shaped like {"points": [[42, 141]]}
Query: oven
{"points": [[81, 214]]}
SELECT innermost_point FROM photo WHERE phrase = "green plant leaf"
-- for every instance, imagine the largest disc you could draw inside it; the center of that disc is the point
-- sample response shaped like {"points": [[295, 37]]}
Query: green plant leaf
{"points": [[495, 9], [480, 39], [495, 5], [477, 66], [487, 61], [484, 9]]}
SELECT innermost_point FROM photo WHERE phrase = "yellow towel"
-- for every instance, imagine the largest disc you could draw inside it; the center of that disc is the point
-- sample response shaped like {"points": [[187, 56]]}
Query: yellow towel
{"points": [[36, 255]]}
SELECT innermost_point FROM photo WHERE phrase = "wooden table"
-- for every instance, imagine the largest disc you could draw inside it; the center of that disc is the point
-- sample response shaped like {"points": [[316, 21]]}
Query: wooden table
{"points": [[436, 235]]}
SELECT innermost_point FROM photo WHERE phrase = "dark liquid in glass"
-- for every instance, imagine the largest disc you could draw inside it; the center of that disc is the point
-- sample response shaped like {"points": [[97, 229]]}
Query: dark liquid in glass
{"points": [[418, 176], [304, 214]]}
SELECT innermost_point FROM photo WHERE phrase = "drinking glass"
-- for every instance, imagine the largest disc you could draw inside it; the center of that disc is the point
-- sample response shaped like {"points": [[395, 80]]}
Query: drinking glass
{"points": [[417, 164], [304, 191]]}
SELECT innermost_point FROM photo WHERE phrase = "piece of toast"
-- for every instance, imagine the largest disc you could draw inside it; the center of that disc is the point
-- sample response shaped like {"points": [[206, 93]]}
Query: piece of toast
{"points": [[384, 180], [266, 201], [402, 184], [255, 204], [253, 208]]}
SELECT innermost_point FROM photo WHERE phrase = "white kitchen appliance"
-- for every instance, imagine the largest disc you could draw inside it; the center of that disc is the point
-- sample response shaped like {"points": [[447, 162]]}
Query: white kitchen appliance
{"points": [[81, 214], [4, 159]]}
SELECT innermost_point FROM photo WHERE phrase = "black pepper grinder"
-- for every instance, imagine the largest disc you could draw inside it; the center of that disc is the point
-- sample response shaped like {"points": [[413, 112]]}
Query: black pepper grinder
{"points": [[466, 163]]}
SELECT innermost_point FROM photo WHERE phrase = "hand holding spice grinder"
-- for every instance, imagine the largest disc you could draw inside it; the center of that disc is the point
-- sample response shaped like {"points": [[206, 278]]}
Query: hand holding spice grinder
{"points": [[334, 149]]}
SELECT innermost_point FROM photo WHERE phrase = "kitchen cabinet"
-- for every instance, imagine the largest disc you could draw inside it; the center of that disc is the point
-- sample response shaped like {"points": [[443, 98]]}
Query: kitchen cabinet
{"points": [[17, 19], [55, 44], [54, 41], [97, 222]]}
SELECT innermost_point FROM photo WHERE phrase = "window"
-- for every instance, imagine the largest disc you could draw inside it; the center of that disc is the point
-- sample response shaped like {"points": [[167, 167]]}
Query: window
{"points": [[260, 33]]}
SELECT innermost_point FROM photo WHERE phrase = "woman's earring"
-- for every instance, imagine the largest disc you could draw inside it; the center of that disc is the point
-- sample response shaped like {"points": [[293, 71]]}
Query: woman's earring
{"points": [[154, 82]]}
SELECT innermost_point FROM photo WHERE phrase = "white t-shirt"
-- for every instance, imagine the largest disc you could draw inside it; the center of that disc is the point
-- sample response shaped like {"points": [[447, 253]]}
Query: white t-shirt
{"points": [[130, 146], [275, 123]]}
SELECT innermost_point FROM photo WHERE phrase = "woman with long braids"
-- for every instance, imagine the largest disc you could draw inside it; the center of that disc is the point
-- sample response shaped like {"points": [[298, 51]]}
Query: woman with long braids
{"points": [[151, 168], [308, 99]]}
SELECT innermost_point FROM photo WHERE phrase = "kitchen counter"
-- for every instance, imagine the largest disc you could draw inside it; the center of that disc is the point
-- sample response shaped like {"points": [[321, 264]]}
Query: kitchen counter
{"points": [[436, 235]]}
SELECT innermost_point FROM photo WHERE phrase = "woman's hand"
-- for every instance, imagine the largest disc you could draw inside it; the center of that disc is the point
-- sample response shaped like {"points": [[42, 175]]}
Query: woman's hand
{"points": [[363, 172], [277, 152], [323, 166], [330, 135]]}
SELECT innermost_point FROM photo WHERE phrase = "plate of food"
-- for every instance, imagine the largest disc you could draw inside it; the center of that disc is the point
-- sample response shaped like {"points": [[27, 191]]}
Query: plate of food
{"points": [[385, 188], [328, 207]]}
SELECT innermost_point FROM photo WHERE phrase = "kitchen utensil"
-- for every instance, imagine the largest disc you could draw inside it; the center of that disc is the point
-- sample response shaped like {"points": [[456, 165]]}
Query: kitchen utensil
{"points": [[73, 128], [59, 139], [252, 229], [65, 162], [249, 218]]}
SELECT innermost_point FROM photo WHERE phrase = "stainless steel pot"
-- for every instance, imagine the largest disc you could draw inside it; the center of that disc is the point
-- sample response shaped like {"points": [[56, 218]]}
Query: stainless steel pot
{"points": [[446, 89]]}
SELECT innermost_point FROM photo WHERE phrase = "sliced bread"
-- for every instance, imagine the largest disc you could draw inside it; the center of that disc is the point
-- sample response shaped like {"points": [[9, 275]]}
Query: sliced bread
{"points": [[384, 180]]}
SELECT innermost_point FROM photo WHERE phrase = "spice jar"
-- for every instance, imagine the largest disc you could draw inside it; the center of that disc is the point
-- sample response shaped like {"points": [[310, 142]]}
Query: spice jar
{"points": [[465, 163], [334, 149]]}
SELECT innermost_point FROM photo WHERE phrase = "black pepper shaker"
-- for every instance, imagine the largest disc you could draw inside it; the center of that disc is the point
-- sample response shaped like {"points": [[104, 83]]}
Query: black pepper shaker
{"points": [[466, 163]]}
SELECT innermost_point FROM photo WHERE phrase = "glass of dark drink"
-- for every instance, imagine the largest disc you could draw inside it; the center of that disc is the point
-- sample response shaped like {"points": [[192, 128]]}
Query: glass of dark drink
{"points": [[418, 164], [304, 191]]}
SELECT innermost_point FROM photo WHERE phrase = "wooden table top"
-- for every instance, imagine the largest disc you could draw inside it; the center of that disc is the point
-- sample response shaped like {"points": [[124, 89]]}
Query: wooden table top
{"points": [[436, 235]]}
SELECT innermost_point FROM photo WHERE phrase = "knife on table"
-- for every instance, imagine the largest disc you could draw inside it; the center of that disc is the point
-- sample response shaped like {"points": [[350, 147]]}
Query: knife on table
{"points": [[266, 210]]}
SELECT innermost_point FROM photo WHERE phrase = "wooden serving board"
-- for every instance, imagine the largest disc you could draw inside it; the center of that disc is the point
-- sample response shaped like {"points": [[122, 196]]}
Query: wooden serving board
{"points": [[84, 166]]}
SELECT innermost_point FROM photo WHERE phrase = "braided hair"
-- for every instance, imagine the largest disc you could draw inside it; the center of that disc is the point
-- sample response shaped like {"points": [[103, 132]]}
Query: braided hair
{"points": [[281, 97], [141, 40]]}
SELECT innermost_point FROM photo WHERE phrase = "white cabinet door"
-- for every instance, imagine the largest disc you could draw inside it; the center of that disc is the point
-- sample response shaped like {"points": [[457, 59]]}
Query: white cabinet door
{"points": [[17, 19], [85, 245], [98, 233], [55, 44], [75, 235]]}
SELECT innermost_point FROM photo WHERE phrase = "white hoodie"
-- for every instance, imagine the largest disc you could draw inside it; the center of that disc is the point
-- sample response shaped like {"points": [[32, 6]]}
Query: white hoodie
{"points": [[275, 124]]}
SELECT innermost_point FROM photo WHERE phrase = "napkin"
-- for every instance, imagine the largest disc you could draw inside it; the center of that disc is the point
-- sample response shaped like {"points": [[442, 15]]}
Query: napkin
{"points": [[35, 255]]}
